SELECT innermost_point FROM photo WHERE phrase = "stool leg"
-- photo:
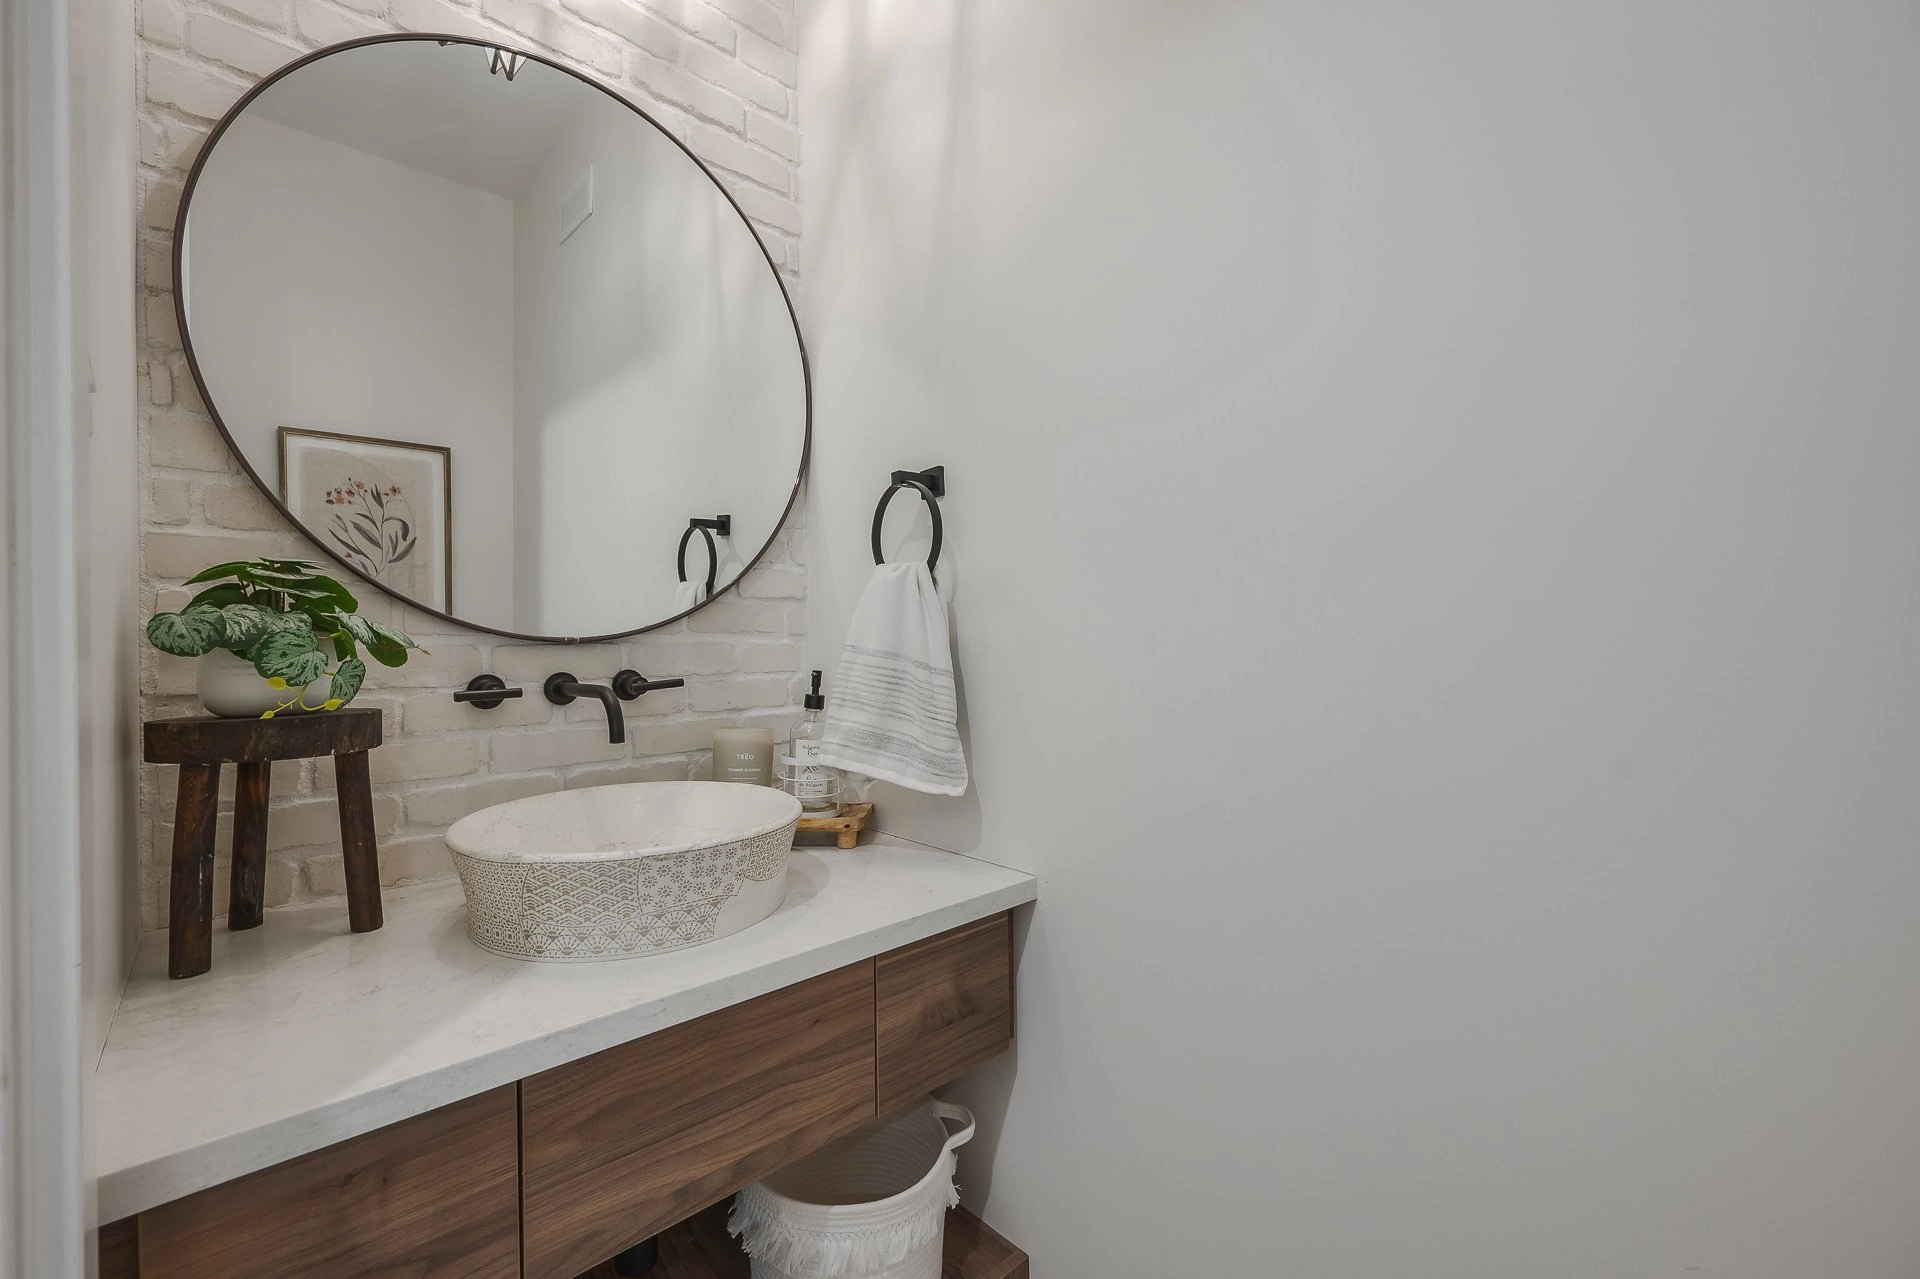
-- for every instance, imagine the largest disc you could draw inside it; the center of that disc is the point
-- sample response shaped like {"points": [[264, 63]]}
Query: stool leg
{"points": [[357, 847], [249, 846], [190, 897]]}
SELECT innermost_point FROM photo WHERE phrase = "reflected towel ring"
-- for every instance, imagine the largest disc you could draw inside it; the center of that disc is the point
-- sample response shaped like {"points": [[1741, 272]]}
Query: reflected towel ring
{"points": [[713, 552], [931, 485]]}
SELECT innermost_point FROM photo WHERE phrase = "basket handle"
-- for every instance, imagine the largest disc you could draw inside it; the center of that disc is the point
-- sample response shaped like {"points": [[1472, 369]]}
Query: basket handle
{"points": [[950, 1113]]}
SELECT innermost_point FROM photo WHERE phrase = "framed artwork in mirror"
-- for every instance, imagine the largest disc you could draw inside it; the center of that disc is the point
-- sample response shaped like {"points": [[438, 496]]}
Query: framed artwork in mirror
{"points": [[385, 507]]}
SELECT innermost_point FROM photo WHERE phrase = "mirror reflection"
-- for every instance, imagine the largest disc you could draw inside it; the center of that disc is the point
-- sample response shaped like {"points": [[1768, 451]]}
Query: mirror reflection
{"points": [[495, 343]]}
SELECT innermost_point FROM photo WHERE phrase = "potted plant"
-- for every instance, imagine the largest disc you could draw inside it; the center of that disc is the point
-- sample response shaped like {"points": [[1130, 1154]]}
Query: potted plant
{"points": [[267, 630]]}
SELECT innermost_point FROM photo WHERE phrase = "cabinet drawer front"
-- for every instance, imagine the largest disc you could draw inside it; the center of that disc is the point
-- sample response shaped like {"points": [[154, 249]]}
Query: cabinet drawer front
{"points": [[433, 1197], [944, 1006], [625, 1143]]}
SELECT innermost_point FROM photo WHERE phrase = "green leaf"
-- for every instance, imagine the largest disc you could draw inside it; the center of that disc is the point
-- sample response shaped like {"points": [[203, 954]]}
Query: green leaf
{"points": [[358, 627], [343, 597], [248, 624], [321, 591], [222, 595], [232, 568], [387, 654], [383, 633], [388, 646], [191, 633], [277, 578], [346, 682], [292, 655]]}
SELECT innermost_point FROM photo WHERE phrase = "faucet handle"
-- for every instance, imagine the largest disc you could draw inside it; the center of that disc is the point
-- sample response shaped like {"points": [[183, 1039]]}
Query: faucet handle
{"points": [[485, 692], [631, 684]]}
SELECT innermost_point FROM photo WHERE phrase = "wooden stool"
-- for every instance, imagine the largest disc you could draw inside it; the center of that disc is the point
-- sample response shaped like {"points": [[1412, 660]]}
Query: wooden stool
{"points": [[200, 745]]}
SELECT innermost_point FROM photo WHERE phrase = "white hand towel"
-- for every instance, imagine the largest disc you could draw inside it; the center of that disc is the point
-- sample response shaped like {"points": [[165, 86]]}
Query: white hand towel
{"points": [[893, 714], [688, 595]]}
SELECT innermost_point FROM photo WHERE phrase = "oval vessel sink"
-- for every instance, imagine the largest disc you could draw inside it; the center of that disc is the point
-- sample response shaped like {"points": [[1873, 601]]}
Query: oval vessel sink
{"points": [[615, 871]]}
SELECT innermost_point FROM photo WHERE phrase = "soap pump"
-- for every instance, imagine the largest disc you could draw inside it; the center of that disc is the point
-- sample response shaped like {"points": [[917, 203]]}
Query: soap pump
{"points": [[815, 785]]}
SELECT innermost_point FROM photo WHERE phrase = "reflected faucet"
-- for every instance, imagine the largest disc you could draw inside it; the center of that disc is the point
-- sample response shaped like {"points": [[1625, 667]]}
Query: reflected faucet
{"points": [[562, 688]]}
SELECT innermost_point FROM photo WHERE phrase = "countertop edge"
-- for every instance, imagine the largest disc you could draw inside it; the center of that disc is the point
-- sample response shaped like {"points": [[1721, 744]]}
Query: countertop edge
{"points": [[125, 1191]]}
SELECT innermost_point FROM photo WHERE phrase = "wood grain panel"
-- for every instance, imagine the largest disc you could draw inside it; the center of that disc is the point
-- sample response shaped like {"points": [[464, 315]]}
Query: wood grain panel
{"points": [[190, 891], [623, 1144], [120, 1249], [203, 739], [252, 793], [359, 850], [433, 1197], [975, 1250], [943, 1005]]}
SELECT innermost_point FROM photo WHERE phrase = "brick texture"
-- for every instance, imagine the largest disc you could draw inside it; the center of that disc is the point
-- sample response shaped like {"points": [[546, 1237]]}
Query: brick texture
{"points": [[718, 74]]}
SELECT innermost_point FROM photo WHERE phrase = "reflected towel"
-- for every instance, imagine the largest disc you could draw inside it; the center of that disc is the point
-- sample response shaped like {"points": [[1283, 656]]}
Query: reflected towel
{"points": [[893, 714]]}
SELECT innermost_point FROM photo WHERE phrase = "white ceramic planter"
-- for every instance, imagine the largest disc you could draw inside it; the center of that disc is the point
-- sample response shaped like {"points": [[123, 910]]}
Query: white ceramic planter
{"points": [[232, 689]]}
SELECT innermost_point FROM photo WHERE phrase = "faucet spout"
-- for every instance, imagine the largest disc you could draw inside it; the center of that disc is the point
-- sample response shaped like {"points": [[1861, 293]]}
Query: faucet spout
{"points": [[562, 688]]}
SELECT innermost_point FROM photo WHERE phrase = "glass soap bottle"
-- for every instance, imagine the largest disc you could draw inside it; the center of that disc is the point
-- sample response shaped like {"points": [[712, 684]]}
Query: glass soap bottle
{"points": [[815, 785]]}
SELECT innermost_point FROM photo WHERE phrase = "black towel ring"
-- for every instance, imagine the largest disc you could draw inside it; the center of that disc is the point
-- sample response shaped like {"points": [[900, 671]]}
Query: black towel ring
{"points": [[931, 486], [713, 553]]}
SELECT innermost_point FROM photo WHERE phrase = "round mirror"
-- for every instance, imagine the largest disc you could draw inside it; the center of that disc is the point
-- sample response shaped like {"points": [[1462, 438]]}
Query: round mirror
{"points": [[491, 337]]}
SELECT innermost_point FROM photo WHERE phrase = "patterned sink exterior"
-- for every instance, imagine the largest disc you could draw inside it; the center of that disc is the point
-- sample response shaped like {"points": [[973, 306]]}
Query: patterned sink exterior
{"points": [[611, 872]]}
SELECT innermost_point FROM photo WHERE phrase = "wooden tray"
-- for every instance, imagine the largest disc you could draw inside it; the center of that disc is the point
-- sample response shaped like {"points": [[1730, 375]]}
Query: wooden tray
{"points": [[845, 828], [702, 1249]]}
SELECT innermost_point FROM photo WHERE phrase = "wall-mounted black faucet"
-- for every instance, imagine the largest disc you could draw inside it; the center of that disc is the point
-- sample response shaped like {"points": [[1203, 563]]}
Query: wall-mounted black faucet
{"points": [[562, 688]]}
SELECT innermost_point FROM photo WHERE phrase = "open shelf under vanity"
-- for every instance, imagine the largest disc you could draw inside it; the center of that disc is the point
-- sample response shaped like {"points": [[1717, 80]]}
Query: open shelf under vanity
{"points": [[700, 1248]]}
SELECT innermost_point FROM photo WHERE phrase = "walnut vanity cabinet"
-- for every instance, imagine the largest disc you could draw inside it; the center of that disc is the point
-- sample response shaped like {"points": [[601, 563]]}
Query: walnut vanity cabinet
{"points": [[618, 1146], [432, 1197], [941, 1007], [547, 1178]]}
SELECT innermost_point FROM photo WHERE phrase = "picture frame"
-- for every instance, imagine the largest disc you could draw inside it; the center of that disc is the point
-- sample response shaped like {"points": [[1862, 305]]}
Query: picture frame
{"points": [[382, 507]]}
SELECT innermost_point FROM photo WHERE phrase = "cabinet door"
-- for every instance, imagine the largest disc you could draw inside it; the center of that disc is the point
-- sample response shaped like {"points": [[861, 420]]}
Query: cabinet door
{"points": [[620, 1145], [433, 1197], [944, 1005]]}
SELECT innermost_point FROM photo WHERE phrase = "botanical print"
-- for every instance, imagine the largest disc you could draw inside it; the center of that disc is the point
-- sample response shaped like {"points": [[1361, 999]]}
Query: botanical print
{"points": [[381, 506], [375, 532]]}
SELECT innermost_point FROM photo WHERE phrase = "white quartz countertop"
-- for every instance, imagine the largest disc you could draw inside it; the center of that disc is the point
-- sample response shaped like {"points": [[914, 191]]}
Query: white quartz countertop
{"points": [[305, 1034]]}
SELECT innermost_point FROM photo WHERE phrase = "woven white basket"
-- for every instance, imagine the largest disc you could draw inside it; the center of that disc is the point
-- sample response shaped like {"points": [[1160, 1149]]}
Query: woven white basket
{"points": [[872, 1205]]}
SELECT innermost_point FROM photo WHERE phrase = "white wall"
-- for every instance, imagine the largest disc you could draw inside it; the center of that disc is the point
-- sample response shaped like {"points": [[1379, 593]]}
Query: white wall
{"points": [[403, 327], [662, 299], [1433, 554]]}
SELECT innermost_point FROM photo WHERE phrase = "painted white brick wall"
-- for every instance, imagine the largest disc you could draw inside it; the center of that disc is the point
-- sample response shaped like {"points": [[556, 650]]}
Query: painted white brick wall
{"points": [[720, 75]]}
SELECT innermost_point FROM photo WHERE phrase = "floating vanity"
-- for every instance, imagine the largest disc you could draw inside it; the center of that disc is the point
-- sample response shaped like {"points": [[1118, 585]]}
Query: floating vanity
{"points": [[403, 1102]]}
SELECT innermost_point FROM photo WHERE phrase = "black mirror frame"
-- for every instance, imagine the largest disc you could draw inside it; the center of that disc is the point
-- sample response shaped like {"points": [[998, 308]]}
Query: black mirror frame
{"points": [[272, 494]]}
